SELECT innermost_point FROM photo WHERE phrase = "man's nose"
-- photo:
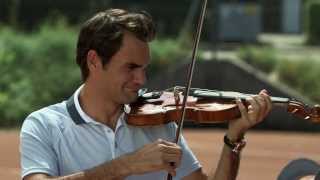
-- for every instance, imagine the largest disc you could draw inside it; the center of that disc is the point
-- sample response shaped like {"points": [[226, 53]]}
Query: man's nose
{"points": [[140, 77]]}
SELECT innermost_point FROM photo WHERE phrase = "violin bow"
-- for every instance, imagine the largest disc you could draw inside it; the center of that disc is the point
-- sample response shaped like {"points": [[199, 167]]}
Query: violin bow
{"points": [[190, 73]]}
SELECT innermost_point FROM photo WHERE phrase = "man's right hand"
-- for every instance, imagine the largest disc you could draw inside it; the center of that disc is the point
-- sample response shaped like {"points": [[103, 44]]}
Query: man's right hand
{"points": [[159, 155]]}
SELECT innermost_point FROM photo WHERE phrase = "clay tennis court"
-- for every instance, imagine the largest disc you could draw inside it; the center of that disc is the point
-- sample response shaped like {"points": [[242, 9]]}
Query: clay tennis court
{"points": [[266, 152]]}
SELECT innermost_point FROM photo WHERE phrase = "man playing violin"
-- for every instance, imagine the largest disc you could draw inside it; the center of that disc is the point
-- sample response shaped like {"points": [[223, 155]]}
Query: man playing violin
{"points": [[87, 137]]}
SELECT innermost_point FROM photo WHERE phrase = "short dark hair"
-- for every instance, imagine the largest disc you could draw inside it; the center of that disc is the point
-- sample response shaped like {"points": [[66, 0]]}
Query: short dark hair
{"points": [[104, 33]]}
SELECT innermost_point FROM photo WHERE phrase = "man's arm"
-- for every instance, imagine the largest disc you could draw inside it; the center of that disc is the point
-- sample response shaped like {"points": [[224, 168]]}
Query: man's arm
{"points": [[228, 165], [115, 169], [152, 157]]}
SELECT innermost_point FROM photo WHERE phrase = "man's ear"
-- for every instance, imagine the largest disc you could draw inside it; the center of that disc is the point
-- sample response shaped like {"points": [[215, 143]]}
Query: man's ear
{"points": [[93, 60]]}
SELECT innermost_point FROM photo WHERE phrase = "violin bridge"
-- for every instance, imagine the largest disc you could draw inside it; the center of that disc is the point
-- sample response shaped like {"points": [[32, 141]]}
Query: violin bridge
{"points": [[176, 95]]}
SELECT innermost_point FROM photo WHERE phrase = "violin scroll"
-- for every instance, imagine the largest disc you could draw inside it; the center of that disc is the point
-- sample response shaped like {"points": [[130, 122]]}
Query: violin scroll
{"points": [[304, 111]]}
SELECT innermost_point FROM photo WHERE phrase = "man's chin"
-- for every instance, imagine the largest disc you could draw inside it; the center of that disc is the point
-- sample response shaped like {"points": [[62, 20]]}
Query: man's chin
{"points": [[132, 96]]}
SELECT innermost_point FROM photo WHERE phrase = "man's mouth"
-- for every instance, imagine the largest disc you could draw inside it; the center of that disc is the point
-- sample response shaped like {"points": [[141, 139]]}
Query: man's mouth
{"points": [[135, 90]]}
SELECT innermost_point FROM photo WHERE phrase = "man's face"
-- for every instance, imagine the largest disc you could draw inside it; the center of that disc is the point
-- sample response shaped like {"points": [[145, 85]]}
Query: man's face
{"points": [[121, 78]]}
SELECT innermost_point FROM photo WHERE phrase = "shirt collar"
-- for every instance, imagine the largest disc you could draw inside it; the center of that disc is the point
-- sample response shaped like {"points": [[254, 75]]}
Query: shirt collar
{"points": [[79, 116]]}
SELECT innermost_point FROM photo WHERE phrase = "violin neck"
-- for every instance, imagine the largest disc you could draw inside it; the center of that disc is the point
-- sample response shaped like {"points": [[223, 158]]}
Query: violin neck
{"points": [[229, 95]]}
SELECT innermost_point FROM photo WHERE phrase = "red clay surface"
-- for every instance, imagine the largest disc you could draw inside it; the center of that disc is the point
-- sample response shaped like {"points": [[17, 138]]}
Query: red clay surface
{"points": [[263, 157]]}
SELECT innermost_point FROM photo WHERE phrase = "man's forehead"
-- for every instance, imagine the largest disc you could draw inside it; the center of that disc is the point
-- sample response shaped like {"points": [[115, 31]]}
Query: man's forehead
{"points": [[134, 51], [131, 60]]}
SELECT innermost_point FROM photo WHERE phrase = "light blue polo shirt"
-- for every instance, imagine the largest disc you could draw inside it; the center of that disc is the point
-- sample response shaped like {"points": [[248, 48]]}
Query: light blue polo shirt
{"points": [[62, 139]]}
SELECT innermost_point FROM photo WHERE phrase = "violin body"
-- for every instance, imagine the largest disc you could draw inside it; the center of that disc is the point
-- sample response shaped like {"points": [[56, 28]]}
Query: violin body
{"points": [[167, 108]]}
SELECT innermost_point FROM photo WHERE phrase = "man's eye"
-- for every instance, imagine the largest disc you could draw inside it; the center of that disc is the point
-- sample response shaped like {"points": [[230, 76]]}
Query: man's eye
{"points": [[133, 66]]}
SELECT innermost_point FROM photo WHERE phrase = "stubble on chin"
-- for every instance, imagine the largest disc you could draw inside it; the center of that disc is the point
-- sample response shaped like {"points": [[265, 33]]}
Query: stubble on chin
{"points": [[130, 97]]}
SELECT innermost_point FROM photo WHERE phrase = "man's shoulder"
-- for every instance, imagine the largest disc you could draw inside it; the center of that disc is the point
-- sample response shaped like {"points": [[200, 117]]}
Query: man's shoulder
{"points": [[53, 116]]}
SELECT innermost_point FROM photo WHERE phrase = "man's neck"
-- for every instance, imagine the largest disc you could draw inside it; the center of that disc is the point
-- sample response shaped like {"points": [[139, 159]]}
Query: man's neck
{"points": [[101, 109]]}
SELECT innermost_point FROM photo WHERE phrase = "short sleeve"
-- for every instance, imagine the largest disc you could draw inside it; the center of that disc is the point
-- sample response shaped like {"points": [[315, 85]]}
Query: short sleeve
{"points": [[36, 150]]}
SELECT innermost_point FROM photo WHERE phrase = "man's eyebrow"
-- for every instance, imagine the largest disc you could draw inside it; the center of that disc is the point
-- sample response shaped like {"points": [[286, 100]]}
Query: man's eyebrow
{"points": [[134, 65]]}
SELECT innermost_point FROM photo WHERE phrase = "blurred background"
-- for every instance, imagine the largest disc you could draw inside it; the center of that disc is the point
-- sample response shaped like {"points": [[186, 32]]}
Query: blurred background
{"points": [[246, 46]]}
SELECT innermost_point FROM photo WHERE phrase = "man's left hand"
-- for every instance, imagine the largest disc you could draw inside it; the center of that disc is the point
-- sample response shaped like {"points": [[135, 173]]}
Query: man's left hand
{"points": [[258, 108]]}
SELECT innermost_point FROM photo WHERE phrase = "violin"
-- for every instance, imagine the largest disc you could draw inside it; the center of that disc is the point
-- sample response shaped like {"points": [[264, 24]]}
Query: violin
{"points": [[203, 106]]}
